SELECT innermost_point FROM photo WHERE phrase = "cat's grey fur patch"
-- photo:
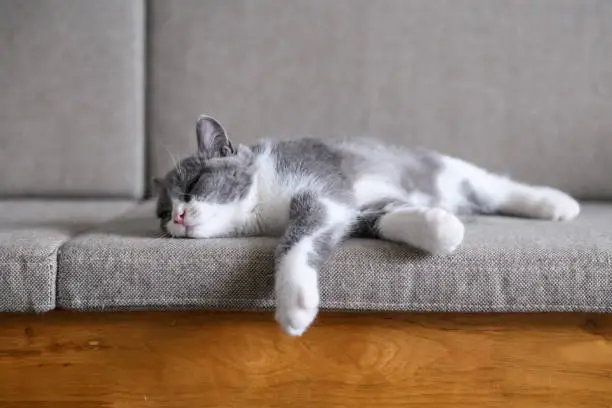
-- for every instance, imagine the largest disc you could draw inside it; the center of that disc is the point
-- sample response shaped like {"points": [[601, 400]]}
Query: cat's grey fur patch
{"points": [[367, 221], [315, 159], [306, 216], [214, 180], [476, 202], [324, 244], [369, 216], [422, 176], [222, 181]]}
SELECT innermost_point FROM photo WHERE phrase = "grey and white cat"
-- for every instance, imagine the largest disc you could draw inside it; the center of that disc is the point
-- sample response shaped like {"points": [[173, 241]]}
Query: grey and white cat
{"points": [[313, 194]]}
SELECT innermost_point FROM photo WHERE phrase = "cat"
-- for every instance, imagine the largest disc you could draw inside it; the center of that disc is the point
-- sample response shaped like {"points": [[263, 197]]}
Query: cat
{"points": [[313, 194]]}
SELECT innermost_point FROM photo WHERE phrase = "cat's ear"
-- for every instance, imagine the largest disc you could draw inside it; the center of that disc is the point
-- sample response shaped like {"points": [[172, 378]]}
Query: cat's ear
{"points": [[212, 138]]}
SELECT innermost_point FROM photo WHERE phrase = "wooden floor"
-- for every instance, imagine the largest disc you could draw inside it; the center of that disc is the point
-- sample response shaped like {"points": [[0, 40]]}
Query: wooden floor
{"points": [[197, 359]]}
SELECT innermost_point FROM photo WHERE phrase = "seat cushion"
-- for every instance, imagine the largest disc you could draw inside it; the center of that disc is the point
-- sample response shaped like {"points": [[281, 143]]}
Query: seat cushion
{"points": [[505, 264], [31, 232]]}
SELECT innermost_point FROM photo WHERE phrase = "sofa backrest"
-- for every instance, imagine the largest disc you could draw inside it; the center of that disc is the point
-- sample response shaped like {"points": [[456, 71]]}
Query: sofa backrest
{"points": [[521, 87], [71, 98]]}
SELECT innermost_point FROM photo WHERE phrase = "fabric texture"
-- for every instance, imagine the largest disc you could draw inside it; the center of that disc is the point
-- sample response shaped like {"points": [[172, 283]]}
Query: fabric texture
{"points": [[504, 265], [71, 75], [31, 232], [520, 87]]}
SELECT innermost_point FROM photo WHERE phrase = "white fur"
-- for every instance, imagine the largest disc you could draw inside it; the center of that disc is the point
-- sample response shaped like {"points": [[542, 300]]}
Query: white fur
{"points": [[297, 290], [205, 220], [432, 229], [539, 202], [506, 196], [338, 217], [272, 196], [370, 188]]}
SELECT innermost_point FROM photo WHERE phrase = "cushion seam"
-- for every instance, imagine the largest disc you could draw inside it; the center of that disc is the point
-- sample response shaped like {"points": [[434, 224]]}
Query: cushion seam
{"points": [[343, 304]]}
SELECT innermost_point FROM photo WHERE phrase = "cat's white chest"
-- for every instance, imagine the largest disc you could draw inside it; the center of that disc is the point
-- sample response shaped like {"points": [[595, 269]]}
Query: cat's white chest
{"points": [[273, 212], [272, 200]]}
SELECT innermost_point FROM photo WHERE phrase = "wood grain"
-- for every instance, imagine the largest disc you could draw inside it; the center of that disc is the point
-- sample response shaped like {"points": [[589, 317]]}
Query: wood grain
{"points": [[199, 359]]}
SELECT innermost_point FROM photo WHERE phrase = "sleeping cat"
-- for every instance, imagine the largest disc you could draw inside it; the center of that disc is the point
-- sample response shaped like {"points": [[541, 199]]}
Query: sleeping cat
{"points": [[313, 194]]}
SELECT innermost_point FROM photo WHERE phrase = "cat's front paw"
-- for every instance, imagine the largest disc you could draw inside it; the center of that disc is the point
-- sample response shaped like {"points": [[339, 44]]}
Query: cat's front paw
{"points": [[555, 205], [297, 299]]}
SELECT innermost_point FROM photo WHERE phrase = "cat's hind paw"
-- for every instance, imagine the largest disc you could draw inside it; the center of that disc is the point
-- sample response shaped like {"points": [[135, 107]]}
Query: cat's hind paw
{"points": [[555, 205]]}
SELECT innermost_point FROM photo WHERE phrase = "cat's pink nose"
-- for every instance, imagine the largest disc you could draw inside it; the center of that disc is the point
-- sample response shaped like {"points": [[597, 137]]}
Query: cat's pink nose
{"points": [[179, 218]]}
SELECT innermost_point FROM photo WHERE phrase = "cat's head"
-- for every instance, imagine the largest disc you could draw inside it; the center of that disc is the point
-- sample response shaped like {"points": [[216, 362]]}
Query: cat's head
{"points": [[207, 194]]}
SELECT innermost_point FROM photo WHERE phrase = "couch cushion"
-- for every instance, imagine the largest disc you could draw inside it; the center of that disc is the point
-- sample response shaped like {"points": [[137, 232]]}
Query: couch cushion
{"points": [[505, 264], [71, 103], [30, 234], [521, 87]]}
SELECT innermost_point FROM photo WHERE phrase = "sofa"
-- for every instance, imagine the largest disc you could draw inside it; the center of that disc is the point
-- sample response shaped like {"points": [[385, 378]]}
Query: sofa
{"points": [[99, 97]]}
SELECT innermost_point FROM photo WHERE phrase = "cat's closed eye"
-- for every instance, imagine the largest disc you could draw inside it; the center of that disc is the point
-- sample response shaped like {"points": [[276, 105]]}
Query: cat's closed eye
{"points": [[187, 195]]}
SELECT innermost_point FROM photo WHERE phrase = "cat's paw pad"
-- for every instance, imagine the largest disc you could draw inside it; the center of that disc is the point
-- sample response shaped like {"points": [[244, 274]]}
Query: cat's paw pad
{"points": [[297, 303], [445, 231], [555, 205]]}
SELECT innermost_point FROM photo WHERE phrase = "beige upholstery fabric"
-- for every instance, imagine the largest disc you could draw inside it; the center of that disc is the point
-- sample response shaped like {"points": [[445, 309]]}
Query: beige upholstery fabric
{"points": [[521, 87], [71, 102], [30, 234], [505, 264]]}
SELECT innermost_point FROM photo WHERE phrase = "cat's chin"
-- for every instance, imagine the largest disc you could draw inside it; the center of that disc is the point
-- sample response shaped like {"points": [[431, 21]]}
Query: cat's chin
{"points": [[199, 233], [182, 231], [193, 231]]}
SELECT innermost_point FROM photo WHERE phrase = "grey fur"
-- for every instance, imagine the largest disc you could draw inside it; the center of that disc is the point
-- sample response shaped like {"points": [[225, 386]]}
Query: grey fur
{"points": [[213, 180], [314, 158], [421, 173], [369, 215], [306, 216], [324, 245], [307, 219], [476, 202]]}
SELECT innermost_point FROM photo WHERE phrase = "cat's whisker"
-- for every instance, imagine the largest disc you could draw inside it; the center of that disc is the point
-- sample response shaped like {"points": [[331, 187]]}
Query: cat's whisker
{"points": [[160, 235], [179, 169]]}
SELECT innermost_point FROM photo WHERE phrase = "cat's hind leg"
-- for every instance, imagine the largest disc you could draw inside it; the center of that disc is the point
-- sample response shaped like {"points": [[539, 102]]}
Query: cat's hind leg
{"points": [[431, 229], [490, 193]]}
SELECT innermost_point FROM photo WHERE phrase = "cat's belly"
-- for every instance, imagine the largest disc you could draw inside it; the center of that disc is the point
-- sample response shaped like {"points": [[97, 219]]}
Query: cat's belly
{"points": [[373, 188], [369, 189]]}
